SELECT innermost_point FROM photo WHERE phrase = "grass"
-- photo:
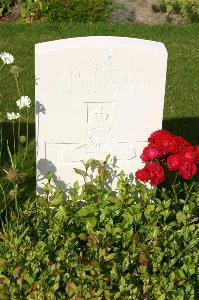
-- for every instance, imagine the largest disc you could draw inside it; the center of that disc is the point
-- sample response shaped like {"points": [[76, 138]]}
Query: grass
{"points": [[181, 109]]}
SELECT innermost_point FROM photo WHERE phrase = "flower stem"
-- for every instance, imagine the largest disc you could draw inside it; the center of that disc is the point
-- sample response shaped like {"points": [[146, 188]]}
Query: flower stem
{"points": [[17, 84], [2, 66], [18, 91], [16, 201], [4, 198], [19, 129], [13, 131], [1, 143], [27, 129], [174, 190]]}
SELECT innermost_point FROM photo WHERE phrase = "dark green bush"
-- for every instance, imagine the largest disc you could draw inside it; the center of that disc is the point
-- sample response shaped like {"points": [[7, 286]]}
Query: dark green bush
{"points": [[79, 10], [59, 10], [6, 7], [127, 243]]}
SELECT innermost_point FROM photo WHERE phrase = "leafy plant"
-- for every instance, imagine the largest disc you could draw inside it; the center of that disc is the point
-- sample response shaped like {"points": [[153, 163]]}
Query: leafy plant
{"points": [[78, 11], [96, 242], [6, 7], [56, 10], [187, 8]]}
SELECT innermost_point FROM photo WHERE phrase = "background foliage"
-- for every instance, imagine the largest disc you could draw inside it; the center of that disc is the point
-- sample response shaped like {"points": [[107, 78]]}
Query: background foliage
{"points": [[70, 10], [187, 8]]}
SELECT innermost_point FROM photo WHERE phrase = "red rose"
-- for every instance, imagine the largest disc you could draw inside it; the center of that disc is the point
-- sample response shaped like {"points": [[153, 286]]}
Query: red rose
{"points": [[150, 152], [173, 162], [187, 169], [152, 172], [156, 173], [142, 175], [182, 143], [196, 149], [167, 144], [158, 134], [189, 154], [165, 141]]}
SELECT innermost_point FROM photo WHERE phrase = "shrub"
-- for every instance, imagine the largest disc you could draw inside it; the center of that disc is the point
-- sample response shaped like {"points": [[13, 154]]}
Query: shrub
{"points": [[6, 7], [79, 10], [102, 243], [187, 8], [57, 10]]}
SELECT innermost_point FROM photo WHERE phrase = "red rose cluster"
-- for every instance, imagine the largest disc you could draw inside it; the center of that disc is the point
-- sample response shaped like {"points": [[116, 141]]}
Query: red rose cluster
{"points": [[167, 149]]}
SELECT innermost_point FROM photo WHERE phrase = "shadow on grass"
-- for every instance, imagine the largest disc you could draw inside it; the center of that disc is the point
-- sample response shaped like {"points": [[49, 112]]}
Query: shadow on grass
{"points": [[187, 127]]}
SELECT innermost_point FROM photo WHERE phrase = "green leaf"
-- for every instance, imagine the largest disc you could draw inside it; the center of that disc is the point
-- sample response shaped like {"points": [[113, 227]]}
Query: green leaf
{"points": [[117, 295], [149, 209], [56, 201], [80, 172], [167, 203], [107, 158], [27, 277], [4, 280], [125, 263], [109, 257], [91, 223], [102, 252], [108, 228], [42, 201], [89, 164], [181, 217], [61, 213], [76, 185], [161, 297], [86, 210], [128, 218], [122, 284], [55, 286]]}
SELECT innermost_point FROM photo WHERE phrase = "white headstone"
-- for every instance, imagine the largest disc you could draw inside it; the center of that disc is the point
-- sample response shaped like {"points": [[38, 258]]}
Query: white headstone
{"points": [[96, 96]]}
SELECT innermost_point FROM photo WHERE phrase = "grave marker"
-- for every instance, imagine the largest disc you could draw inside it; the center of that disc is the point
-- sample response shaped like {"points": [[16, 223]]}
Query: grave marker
{"points": [[96, 96]]}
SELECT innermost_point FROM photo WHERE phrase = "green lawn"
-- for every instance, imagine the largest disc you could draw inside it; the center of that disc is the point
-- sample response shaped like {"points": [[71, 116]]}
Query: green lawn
{"points": [[181, 110]]}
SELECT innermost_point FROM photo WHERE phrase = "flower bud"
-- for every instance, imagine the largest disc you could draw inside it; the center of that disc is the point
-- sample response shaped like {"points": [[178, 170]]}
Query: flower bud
{"points": [[22, 139], [11, 175], [13, 193], [15, 70]]}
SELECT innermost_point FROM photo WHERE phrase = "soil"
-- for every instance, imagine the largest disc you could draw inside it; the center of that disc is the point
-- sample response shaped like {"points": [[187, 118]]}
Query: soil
{"points": [[144, 13]]}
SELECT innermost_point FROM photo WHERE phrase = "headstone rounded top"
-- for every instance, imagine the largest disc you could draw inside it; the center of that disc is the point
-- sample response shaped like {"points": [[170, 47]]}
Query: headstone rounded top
{"points": [[99, 41]]}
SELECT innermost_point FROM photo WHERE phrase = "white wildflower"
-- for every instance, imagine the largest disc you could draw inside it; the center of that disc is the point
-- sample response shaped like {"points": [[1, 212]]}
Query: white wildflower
{"points": [[7, 58], [24, 101], [13, 116]]}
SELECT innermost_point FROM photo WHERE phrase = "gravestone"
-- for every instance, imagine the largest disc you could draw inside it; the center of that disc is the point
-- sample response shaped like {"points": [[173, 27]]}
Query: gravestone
{"points": [[96, 96]]}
